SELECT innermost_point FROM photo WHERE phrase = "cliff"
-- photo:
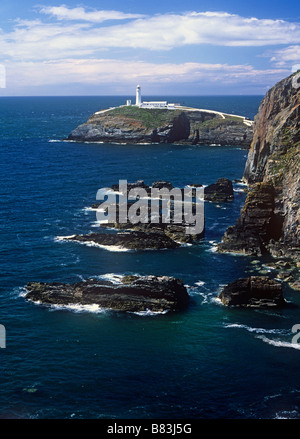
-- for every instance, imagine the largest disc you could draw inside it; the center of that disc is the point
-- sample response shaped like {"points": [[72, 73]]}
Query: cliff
{"points": [[270, 220], [130, 124]]}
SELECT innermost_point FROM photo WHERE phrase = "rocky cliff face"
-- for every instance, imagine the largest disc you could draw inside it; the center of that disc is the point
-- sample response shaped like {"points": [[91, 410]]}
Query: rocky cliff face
{"points": [[138, 125], [270, 219]]}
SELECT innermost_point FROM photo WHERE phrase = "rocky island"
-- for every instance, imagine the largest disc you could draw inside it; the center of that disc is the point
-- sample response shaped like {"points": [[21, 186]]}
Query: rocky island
{"points": [[253, 292], [159, 122], [132, 293], [269, 223]]}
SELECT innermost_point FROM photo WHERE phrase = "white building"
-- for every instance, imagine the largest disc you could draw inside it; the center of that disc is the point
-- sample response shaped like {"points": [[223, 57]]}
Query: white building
{"points": [[150, 104], [138, 100], [154, 104]]}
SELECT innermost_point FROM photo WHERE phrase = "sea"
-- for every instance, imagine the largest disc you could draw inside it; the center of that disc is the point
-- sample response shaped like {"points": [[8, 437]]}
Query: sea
{"points": [[207, 362]]}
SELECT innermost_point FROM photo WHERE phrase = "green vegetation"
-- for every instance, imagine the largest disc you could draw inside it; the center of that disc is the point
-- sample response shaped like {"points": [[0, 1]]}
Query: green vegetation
{"points": [[216, 122], [285, 161], [234, 118], [150, 117]]}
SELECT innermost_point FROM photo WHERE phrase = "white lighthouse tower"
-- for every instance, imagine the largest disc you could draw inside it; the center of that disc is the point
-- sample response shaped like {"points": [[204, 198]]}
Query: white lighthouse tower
{"points": [[138, 96]]}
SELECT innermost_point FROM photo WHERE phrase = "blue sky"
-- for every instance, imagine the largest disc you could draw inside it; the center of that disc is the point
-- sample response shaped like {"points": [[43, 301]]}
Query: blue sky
{"points": [[169, 47]]}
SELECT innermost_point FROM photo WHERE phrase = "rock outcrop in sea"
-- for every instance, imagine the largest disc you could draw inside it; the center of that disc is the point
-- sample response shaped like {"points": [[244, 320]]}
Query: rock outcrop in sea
{"points": [[130, 124], [133, 293], [253, 292], [220, 191], [130, 240], [270, 219], [158, 235]]}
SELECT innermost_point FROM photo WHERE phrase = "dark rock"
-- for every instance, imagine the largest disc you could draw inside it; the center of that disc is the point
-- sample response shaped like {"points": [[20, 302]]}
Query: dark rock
{"points": [[255, 292], [270, 220], [162, 184], [129, 278], [256, 225], [175, 232], [220, 191], [156, 294], [137, 184], [133, 240]]}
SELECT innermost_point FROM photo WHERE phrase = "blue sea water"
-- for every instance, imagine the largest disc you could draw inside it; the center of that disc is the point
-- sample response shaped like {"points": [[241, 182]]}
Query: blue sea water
{"points": [[206, 362]]}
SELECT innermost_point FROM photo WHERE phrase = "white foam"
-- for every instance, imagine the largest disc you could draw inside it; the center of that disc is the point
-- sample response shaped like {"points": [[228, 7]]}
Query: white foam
{"points": [[149, 313], [213, 248], [63, 238], [200, 283], [93, 209], [20, 291], [256, 330], [78, 308], [216, 300], [99, 223], [278, 343], [183, 244], [293, 414], [111, 248], [112, 277]]}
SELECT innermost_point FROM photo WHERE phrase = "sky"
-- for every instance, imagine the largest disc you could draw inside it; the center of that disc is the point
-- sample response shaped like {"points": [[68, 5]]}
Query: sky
{"points": [[168, 47]]}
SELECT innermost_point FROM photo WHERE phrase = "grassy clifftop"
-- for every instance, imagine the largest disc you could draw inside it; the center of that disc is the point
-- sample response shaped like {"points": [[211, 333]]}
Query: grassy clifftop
{"points": [[150, 118]]}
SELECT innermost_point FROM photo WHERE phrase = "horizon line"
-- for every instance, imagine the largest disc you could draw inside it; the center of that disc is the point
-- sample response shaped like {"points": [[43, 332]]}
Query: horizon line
{"points": [[122, 96]]}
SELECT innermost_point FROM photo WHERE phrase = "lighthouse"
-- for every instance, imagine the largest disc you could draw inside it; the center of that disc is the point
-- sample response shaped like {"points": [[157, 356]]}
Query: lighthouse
{"points": [[138, 96]]}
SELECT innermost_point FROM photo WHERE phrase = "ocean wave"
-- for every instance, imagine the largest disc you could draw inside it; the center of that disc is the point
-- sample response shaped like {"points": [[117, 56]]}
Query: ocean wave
{"points": [[111, 248], [112, 277], [63, 238], [148, 313], [279, 343], [78, 308], [89, 209], [207, 295], [287, 414], [19, 292], [213, 247], [257, 330], [215, 299]]}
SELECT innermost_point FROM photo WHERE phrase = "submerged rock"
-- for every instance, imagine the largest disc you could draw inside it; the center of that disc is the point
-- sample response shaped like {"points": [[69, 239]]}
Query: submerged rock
{"points": [[254, 292], [136, 294]]}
